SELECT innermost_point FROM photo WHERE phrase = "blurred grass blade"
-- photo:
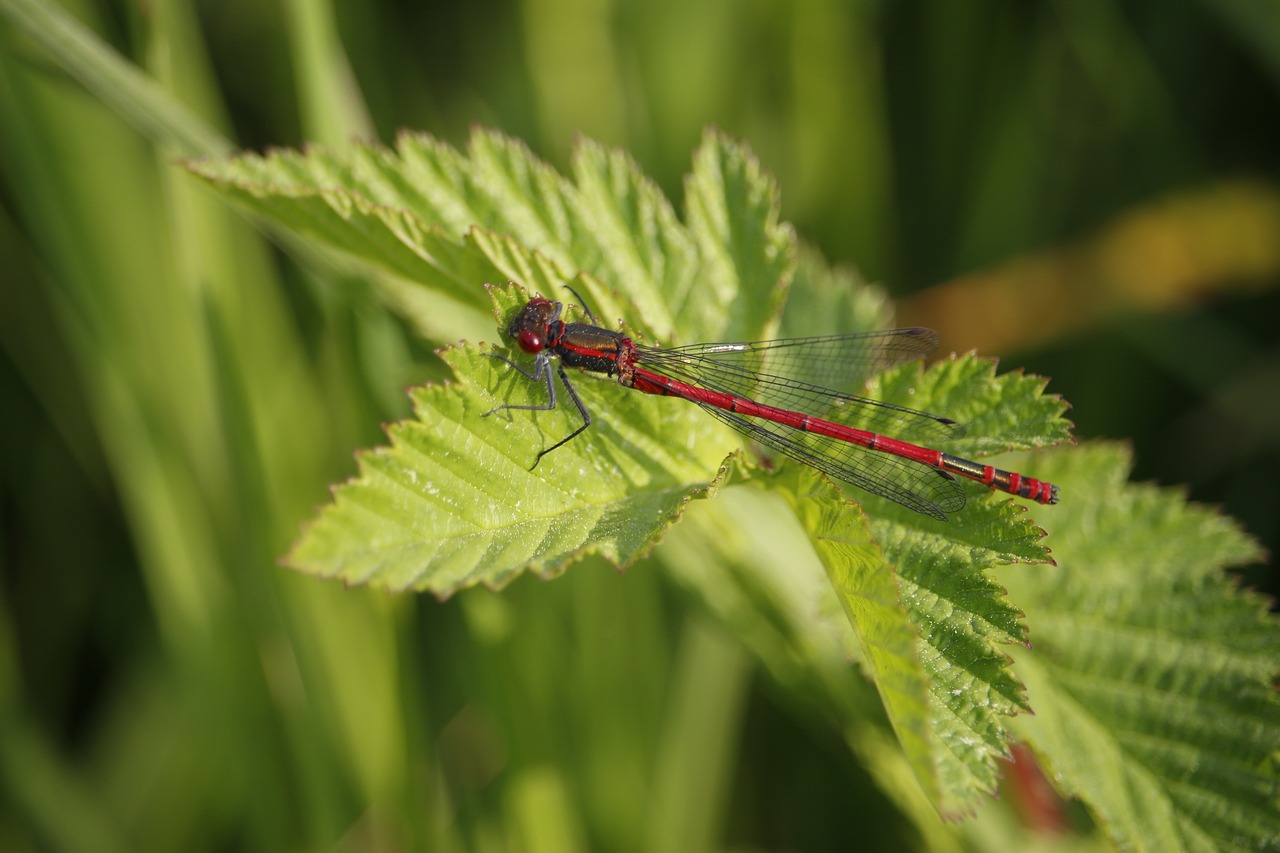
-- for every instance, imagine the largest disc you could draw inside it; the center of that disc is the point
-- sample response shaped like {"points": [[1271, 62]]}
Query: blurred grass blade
{"points": [[120, 85], [332, 108]]}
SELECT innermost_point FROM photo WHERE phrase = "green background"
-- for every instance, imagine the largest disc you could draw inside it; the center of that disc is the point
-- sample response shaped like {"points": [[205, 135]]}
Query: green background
{"points": [[1087, 189]]}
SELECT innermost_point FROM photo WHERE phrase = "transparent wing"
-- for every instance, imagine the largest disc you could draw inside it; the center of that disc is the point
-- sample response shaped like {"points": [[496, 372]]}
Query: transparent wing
{"points": [[814, 376], [912, 484], [840, 362], [797, 374]]}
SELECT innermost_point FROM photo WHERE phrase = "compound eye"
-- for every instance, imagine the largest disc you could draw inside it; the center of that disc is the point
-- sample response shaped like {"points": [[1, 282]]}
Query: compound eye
{"points": [[529, 341]]}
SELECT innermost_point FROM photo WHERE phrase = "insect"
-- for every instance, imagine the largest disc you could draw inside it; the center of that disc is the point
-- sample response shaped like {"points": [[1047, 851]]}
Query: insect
{"points": [[755, 388]]}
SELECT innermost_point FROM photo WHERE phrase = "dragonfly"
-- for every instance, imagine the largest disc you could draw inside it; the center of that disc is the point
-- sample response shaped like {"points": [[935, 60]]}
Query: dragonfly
{"points": [[774, 392]]}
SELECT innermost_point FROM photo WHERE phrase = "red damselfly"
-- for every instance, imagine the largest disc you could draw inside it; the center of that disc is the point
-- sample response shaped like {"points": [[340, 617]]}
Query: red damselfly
{"points": [[776, 393]]}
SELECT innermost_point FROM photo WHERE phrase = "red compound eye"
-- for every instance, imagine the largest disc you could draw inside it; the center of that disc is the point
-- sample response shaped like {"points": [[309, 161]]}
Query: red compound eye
{"points": [[529, 341]]}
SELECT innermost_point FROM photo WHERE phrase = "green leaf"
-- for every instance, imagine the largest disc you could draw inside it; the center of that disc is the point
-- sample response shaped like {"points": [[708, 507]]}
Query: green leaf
{"points": [[1009, 412], [1152, 674], [431, 215], [453, 502], [870, 592], [930, 623], [733, 214]]}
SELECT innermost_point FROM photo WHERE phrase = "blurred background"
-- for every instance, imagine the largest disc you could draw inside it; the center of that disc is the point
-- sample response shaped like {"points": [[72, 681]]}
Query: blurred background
{"points": [[1089, 190]]}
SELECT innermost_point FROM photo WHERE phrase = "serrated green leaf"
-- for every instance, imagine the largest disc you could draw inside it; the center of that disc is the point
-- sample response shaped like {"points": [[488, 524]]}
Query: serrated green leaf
{"points": [[452, 502], [420, 517], [732, 210], [868, 589], [948, 692], [414, 211], [637, 237], [514, 217], [997, 413], [1151, 674]]}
